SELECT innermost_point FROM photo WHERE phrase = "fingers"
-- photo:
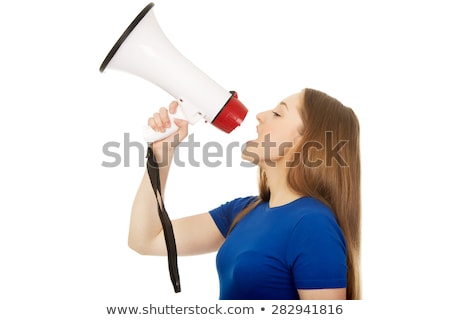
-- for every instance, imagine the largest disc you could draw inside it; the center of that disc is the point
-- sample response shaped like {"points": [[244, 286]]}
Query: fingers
{"points": [[164, 118], [161, 121], [180, 123], [173, 107]]}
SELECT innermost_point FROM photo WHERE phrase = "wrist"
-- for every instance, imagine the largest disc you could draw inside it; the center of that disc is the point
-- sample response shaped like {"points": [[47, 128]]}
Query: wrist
{"points": [[162, 155]]}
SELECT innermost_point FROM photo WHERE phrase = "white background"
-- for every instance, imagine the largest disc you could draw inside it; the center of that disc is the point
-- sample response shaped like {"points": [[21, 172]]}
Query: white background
{"points": [[64, 217]]}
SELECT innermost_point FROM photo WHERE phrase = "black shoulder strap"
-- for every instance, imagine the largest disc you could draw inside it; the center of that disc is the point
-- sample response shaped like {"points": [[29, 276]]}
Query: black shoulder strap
{"points": [[153, 173]]}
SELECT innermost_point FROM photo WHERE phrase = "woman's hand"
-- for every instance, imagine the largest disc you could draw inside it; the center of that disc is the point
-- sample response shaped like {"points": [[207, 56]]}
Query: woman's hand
{"points": [[160, 122]]}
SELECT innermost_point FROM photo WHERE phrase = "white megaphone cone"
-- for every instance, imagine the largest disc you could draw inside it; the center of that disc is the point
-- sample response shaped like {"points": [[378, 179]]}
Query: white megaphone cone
{"points": [[144, 50]]}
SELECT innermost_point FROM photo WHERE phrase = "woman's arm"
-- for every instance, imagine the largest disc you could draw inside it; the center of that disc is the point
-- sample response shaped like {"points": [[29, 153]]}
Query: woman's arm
{"points": [[193, 235]]}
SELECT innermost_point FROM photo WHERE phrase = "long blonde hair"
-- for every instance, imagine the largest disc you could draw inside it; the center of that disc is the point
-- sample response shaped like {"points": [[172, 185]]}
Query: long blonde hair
{"points": [[330, 173]]}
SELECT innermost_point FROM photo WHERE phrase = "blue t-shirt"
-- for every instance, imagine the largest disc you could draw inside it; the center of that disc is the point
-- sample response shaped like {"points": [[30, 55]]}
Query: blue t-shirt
{"points": [[272, 252]]}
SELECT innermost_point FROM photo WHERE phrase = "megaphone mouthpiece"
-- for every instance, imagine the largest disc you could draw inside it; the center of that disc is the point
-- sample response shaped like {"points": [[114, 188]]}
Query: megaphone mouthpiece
{"points": [[231, 115]]}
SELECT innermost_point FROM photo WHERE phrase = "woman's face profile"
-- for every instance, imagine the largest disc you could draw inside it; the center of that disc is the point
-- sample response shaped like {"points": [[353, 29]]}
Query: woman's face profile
{"points": [[278, 130]]}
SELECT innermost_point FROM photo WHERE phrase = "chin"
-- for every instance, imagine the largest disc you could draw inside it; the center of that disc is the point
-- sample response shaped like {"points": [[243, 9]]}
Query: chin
{"points": [[250, 153]]}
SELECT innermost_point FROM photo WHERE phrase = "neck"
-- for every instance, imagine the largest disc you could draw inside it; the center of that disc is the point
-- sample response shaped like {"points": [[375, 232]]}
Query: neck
{"points": [[280, 192]]}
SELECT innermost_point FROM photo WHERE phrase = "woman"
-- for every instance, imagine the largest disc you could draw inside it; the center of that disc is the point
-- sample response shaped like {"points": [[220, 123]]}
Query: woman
{"points": [[300, 238]]}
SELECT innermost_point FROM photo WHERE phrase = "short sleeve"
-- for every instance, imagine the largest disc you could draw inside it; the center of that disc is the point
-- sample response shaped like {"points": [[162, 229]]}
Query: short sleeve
{"points": [[317, 253], [224, 215]]}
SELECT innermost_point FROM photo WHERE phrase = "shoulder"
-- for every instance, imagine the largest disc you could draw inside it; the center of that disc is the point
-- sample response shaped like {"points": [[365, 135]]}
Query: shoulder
{"points": [[224, 215], [316, 222], [314, 205], [309, 210], [312, 210], [232, 206], [239, 203]]}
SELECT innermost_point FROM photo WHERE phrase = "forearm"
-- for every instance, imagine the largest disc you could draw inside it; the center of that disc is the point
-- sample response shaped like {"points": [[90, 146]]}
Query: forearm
{"points": [[145, 224]]}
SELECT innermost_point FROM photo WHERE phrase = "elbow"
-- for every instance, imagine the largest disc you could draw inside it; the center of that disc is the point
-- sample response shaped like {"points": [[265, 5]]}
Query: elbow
{"points": [[137, 247]]}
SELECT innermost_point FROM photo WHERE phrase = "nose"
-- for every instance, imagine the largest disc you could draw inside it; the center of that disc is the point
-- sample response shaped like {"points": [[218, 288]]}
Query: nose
{"points": [[259, 116]]}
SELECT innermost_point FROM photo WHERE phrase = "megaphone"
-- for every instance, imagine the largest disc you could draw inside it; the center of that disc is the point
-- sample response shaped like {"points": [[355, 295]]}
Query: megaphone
{"points": [[143, 50]]}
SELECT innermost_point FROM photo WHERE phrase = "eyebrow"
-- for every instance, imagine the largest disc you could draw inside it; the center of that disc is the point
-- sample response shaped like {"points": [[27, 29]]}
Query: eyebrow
{"points": [[284, 104]]}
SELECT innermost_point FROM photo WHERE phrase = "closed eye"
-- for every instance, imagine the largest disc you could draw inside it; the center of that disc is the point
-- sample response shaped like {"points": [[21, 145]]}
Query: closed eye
{"points": [[276, 114]]}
